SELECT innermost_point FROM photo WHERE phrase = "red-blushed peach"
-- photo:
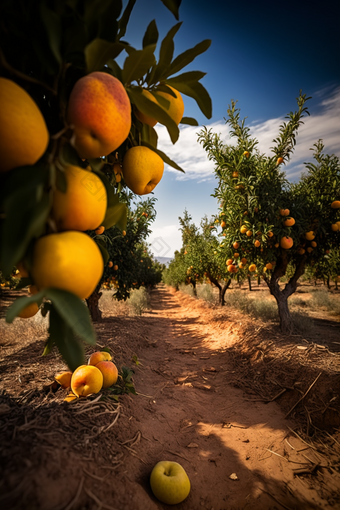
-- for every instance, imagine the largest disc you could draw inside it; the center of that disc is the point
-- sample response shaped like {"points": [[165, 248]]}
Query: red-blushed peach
{"points": [[98, 356], [109, 371], [100, 111], [64, 379], [85, 380]]}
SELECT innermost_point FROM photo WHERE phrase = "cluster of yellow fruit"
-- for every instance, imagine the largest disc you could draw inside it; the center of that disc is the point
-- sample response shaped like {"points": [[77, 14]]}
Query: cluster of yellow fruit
{"points": [[99, 112], [100, 372]]}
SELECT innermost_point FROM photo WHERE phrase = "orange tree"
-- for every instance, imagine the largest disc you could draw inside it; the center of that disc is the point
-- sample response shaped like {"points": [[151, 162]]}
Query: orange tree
{"points": [[272, 221], [201, 257], [129, 264], [75, 129]]}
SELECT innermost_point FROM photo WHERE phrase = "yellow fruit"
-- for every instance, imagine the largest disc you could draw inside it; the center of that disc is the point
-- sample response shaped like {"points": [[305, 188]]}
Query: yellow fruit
{"points": [[86, 379], [309, 235], [279, 161], [64, 379], [83, 206], [142, 116], [335, 204], [70, 397], [176, 107], [69, 261], [252, 268], [246, 154], [29, 311], [243, 229], [98, 356], [23, 133], [100, 111], [142, 169], [269, 266]]}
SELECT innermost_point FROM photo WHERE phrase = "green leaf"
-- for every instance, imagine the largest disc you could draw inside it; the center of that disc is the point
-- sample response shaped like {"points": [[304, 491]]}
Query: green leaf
{"points": [[26, 216], [102, 246], [165, 55], [188, 56], [150, 135], [164, 157], [48, 346], [151, 34], [99, 52], [153, 110], [116, 214], [52, 24], [189, 121], [125, 18], [69, 156], [64, 338], [189, 77], [74, 312], [21, 303], [173, 6], [138, 63], [197, 92]]}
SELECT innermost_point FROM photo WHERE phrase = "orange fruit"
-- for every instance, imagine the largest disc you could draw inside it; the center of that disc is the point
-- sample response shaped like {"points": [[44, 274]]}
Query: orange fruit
{"points": [[310, 235], [23, 133], [100, 111], [83, 205], [286, 242], [289, 222], [29, 311], [335, 204]]}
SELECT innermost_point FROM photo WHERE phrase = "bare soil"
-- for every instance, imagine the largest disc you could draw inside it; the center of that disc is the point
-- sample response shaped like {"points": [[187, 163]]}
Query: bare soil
{"points": [[252, 415]]}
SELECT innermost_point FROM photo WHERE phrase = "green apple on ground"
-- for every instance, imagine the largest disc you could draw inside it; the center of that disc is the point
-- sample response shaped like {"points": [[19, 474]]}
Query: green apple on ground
{"points": [[169, 482]]}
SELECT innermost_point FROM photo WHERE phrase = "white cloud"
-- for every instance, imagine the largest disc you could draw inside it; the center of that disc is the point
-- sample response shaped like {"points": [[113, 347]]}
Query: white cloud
{"points": [[191, 156], [165, 240]]}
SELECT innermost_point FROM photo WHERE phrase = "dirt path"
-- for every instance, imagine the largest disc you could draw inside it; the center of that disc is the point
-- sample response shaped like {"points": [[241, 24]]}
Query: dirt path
{"points": [[57, 457]]}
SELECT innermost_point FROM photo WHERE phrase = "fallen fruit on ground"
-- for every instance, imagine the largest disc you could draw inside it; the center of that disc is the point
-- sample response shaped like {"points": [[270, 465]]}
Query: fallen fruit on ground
{"points": [[98, 356], [69, 261], [142, 169], [109, 371], [29, 311], [70, 397], [170, 482], [23, 133], [64, 379], [85, 380], [83, 205], [100, 111]]}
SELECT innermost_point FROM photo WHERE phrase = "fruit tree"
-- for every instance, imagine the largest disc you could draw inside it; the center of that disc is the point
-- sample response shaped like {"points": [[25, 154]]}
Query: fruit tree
{"points": [[76, 129], [272, 221]]}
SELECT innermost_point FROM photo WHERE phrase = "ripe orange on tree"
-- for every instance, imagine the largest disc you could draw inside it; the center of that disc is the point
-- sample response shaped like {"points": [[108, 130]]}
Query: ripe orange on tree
{"points": [[289, 222], [286, 242], [100, 111]]}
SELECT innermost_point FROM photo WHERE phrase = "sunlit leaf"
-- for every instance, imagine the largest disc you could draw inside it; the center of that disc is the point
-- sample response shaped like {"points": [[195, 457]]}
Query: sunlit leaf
{"points": [[138, 63]]}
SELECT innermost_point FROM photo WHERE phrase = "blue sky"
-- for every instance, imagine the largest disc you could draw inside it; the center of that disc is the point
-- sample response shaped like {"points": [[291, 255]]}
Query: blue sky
{"points": [[261, 54]]}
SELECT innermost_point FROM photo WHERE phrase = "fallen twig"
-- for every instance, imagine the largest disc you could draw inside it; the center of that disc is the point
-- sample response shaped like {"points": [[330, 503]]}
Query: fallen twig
{"points": [[76, 497], [303, 396]]}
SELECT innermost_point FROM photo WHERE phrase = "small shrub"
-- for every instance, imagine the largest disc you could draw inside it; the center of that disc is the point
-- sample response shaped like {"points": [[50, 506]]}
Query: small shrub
{"points": [[188, 289], [297, 301], [206, 293], [138, 301], [264, 309]]}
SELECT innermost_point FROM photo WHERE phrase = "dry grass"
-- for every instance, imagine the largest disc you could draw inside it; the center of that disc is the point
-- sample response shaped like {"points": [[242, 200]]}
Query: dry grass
{"points": [[29, 330]]}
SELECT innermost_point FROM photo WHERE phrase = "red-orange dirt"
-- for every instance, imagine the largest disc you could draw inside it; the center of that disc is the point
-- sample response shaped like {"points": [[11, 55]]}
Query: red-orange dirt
{"points": [[239, 450]]}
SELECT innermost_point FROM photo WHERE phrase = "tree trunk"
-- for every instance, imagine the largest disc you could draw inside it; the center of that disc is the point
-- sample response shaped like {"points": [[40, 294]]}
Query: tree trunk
{"points": [[258, 280], [328, 282], [281, 296], [194, 287], [336, 284], [93, 305], [249, 282], [224, 289]]}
